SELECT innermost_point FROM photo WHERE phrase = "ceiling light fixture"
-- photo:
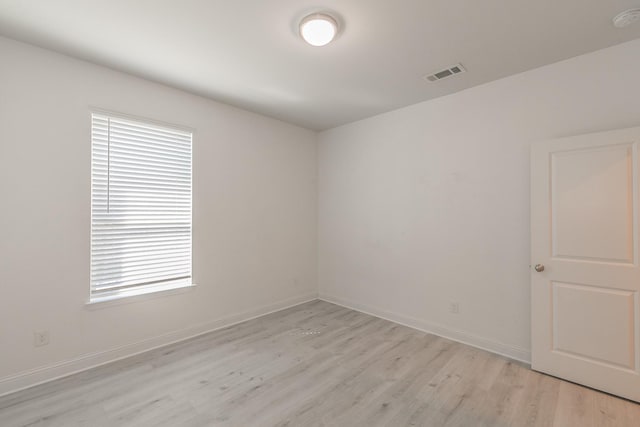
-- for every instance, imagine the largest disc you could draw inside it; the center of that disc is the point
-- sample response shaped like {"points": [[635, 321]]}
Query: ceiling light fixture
{"points": [[626, 18], [318, 29]]}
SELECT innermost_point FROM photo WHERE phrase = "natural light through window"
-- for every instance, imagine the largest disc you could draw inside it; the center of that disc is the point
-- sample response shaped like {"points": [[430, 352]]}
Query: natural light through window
{"points": [[140, 208]]}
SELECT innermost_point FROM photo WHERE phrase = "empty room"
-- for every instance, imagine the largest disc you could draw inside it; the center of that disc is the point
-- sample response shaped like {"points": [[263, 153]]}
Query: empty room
{"points": [[330, 213]]}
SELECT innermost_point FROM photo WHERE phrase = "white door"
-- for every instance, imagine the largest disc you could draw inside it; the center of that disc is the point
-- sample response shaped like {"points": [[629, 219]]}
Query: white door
{"points": [[584, 241]]}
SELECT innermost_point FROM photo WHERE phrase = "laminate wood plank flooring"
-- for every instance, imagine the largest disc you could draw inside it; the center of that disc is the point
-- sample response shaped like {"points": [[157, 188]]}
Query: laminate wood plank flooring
{"points": [[316, 364]]}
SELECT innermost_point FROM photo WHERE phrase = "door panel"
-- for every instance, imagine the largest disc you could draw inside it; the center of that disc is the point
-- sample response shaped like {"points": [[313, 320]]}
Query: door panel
{"points": [[578, 228], [584, 230], [583, 318]]}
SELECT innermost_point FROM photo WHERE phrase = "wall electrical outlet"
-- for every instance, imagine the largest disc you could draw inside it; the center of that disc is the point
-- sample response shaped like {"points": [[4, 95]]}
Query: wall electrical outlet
{"points": [[454, 307], [40, 338]]}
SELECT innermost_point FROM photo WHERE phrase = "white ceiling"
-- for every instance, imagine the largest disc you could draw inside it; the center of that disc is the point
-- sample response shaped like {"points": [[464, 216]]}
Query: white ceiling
{"points": [[247, 52]]}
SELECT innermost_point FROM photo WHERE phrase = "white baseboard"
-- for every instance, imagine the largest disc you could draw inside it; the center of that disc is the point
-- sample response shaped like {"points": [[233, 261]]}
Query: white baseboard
{"points": [[507, 350], [43, 374]]}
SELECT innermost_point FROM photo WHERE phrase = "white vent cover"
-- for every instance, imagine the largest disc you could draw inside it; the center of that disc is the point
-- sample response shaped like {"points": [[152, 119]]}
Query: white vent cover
{"points": [[443, 74]]}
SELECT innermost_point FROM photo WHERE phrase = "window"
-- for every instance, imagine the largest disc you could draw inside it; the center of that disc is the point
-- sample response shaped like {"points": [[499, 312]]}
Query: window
{"points": [[140, 208]]}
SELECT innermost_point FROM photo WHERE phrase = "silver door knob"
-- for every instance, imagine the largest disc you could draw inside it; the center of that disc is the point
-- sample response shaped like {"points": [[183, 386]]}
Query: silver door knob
{"points": [[539, 268]]}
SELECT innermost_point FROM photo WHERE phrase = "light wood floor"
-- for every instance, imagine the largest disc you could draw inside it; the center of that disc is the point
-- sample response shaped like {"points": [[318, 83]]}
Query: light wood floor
{"points": [[316, 364]]}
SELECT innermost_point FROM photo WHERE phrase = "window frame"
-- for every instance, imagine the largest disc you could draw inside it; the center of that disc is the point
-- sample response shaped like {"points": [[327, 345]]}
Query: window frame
{"points": [[142, 291]]}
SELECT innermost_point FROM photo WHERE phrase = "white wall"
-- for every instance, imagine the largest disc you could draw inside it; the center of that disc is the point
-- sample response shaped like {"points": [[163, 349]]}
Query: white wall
{"points": [[254, 215], [430, 203]]}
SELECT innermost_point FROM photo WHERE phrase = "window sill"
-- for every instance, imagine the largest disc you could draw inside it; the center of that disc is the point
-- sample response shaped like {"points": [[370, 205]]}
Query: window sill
{"points": [[147, 294]]}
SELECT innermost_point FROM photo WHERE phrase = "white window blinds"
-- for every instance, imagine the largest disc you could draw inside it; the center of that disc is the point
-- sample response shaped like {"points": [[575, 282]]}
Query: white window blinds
{"points": [[140, 208]]}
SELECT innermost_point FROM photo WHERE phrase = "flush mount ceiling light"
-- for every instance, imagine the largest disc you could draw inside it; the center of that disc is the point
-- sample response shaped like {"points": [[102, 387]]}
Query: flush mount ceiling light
{"points": [[318, 29], [626, 18]]}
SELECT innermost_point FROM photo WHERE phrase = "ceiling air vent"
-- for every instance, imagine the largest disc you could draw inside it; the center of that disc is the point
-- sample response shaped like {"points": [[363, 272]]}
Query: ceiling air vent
{"points": [[447, 72]]}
